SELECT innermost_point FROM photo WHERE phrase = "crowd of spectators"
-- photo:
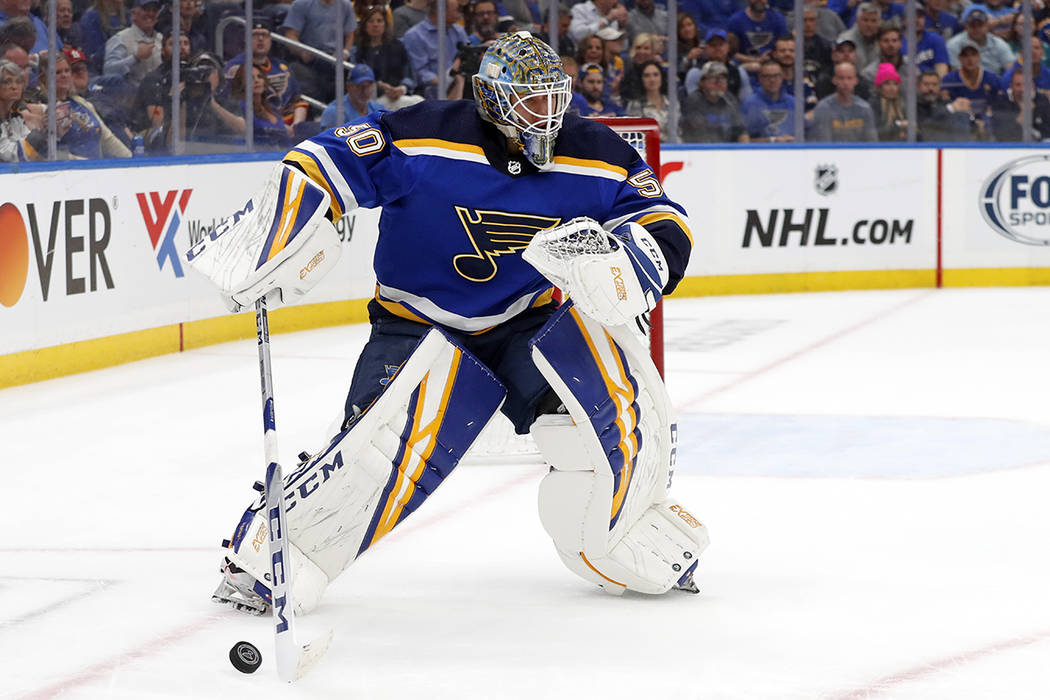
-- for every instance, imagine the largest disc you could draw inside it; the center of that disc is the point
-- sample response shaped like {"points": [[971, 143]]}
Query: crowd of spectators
{"points": [[733, 77]]}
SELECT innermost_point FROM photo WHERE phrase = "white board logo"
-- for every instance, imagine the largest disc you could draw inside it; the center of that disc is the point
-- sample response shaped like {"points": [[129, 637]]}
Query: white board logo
{"points": [[1015, 200]]}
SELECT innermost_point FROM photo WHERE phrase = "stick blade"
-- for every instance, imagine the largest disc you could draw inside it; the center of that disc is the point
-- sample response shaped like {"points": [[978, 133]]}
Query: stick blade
{"points": [[310, 654]]}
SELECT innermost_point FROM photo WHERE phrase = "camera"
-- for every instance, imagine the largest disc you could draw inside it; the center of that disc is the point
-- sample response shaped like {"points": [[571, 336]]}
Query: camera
{"points": [[469, 59], [197, 81]]}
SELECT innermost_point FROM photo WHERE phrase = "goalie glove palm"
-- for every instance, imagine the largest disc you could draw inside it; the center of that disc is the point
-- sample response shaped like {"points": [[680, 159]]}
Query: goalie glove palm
{"points": [[612, 278]]}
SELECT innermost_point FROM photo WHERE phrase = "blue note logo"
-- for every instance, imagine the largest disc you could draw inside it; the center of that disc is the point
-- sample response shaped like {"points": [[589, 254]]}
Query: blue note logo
{"points": [[1015, 200]]}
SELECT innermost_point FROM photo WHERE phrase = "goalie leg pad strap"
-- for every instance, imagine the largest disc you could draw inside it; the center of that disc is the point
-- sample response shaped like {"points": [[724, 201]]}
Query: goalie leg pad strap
{"points": [[604, 501], [391, 458]]}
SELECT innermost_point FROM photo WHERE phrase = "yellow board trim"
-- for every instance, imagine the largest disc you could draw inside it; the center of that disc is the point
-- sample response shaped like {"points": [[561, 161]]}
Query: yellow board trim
{"points": [[439, 143], [996, 277], [86, 355]]}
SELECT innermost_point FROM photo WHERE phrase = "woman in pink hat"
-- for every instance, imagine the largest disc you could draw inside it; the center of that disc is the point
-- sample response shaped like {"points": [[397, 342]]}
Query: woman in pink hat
{"points": [[890, 121]]}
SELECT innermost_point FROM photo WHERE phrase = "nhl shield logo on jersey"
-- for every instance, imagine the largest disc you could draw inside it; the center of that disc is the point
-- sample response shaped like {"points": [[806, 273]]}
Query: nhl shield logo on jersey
{"points": [[827, 179], [514, 167]]}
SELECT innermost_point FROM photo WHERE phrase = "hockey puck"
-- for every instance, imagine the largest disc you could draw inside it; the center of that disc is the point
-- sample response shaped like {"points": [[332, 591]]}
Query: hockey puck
{"points": [[245, 657]]}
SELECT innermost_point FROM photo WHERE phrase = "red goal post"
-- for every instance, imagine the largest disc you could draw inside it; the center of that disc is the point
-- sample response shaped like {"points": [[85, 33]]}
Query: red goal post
{"points": [[643, 133]]}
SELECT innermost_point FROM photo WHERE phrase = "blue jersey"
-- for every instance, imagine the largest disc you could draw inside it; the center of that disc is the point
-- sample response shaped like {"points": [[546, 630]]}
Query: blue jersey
{"points": [[980, 96], [929, 52], [757, 37], [458, 208]]}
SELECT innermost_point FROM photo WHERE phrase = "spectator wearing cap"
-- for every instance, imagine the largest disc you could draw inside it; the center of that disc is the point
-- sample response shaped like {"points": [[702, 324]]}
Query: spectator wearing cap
{"points": [[359, 100], [1040, 73], [192, 23], [421, 43], [277, 73], [376, 46], [844, 50], [711, 115], [769, 112], [588, 101], [890, 121], [937, 19], [938, 119], [592, 15], [646, 18], [755, 28], [313, 22], [972, 81], [842, 116], [14, 9], [1006, 112], [717, 49], [996, 54], [612, 40], [97, 25], [78, 68], [133, 52], [865, 34]]}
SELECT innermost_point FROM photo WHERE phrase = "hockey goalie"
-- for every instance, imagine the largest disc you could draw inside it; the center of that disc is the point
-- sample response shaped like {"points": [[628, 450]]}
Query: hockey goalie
{"points": [[487, 206]]}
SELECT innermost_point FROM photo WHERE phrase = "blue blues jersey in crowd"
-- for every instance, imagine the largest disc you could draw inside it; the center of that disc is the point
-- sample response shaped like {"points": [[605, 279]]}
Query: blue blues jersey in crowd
{"points": [[930, 50], [458, 208], [757, 37], [981, 96]]}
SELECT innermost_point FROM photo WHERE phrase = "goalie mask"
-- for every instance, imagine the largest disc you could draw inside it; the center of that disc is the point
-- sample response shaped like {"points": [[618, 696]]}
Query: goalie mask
{"points": [[522, 88]]}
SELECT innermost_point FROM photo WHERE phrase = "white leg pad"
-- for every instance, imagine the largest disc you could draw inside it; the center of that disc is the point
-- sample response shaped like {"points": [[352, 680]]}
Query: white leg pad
{"points": [[605, 502], [380, 470]]}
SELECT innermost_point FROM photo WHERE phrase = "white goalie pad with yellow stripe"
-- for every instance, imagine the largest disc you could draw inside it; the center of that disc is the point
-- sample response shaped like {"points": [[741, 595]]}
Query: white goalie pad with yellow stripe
{"points": [[280, 241], [377, 472], [605, 501]]}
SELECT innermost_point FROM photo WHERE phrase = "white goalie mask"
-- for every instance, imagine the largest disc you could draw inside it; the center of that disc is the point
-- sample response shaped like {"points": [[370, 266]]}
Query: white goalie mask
{"points": [[522, 88]]}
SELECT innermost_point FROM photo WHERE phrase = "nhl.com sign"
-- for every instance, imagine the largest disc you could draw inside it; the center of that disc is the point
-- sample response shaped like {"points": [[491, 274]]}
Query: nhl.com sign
{"points": [[1015, 200]]}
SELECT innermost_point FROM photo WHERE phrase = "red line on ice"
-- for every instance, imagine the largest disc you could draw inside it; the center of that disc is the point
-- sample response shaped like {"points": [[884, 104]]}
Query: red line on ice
{"points": [[149, 648], [877, 687]]}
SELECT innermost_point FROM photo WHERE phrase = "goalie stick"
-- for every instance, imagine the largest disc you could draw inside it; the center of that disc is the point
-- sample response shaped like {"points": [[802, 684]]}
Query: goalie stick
{"points": [[293, 659]]}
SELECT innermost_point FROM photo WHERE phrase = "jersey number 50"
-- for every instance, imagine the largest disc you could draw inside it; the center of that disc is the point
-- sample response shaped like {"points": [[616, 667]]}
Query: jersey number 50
{"points": [[646, 183]]}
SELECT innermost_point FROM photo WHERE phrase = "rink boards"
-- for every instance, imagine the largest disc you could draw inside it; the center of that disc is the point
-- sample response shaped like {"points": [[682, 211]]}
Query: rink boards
{"points": [[91, 270]]}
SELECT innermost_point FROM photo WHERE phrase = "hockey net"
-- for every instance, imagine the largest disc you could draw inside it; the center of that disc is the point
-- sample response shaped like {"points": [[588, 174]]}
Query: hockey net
{"points": [[498, 442]]}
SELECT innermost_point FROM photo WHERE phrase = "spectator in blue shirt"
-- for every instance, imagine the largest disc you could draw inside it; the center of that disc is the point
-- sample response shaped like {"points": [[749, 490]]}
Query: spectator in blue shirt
{"points": [[588, 101], [938, 20], [755, 27], [1040, 73], [359, 100], [973, 82], [98, 23], [931, 52], [769, 111], [421, 43]]}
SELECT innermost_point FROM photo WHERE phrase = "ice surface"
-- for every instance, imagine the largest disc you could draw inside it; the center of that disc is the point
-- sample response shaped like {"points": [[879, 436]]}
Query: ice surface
{"points": [[873, 468]]}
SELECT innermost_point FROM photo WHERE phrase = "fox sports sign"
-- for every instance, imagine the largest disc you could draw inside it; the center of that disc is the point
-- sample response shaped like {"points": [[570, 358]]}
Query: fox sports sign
{"points": [[1015, 200]]}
